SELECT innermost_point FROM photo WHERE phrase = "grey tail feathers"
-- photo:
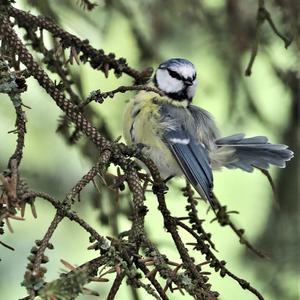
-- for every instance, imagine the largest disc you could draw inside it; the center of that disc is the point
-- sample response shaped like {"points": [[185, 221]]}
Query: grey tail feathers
{"points": [[254, 152]]}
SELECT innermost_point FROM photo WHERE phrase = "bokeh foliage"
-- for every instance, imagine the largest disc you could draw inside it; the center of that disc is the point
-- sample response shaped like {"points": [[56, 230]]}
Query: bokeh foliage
{"points": [[218, 37]]}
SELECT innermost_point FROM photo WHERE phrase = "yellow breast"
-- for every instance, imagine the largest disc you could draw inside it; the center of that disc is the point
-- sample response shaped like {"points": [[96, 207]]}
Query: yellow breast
{"points": [[142, 125], [140, 121]]}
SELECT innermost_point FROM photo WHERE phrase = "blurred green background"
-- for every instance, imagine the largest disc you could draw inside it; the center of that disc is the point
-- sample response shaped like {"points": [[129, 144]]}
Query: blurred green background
{"points": [[216, 36]]}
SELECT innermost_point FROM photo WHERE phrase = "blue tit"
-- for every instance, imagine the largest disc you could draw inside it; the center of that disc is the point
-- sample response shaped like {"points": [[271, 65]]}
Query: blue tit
{"points": [[182, 139]]}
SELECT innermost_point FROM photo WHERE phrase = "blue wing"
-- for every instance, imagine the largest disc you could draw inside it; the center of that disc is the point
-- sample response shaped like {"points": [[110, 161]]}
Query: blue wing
{"points": [[193, 159]]}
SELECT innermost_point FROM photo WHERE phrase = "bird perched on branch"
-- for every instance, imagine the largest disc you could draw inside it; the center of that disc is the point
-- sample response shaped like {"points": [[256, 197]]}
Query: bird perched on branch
{"points": [[182, 139]]}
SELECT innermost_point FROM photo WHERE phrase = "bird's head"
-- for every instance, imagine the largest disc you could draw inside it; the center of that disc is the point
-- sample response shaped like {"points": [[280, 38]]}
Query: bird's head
{"points": [[176, 77]]}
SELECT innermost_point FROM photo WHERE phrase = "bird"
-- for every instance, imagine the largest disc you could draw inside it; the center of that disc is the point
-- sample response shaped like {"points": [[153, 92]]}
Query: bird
{"points": [[182, 139]]}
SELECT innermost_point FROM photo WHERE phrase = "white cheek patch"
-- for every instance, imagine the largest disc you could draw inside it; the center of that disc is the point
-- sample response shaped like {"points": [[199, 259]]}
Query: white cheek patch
{"points": [[191, 90], [167, 83], [180, 141]]}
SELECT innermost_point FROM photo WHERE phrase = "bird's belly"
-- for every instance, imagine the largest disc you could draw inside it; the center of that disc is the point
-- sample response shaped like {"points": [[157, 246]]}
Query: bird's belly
{"points": [[165, 161]]}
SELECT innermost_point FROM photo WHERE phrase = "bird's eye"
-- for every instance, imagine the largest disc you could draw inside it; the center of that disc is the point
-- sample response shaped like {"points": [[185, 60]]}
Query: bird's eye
{"points": [[174, 74], [194, 76]]}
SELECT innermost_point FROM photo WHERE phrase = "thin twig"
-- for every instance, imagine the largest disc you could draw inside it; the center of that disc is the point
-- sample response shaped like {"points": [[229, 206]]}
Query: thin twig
{"points": [[99, 96], [263, 15]]}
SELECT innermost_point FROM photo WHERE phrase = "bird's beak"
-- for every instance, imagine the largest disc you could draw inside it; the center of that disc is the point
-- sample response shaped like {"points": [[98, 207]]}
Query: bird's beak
{"points": [[188, 82]]}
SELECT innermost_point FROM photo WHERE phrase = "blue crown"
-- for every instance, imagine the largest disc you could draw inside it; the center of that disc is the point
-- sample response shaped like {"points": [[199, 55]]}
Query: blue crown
{"points": [[175, 62]]}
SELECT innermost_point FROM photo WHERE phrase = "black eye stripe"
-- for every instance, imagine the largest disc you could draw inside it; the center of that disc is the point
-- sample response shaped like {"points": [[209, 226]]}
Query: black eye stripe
{"points": [[174, 74], [177, 76]]}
